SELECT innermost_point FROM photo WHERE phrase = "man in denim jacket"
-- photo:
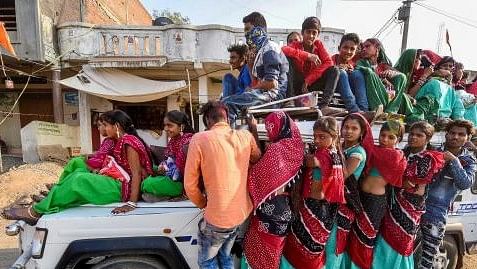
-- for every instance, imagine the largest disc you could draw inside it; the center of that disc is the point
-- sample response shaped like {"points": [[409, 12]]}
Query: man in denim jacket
{"points": [[457, 175]]}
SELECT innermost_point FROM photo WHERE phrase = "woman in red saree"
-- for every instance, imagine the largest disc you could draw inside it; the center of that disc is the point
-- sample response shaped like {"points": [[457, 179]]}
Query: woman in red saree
{"points": [[357, 147], [267, 183], [386, 166], [169, 180], [395, 244], [130, 163], [322, 192]]}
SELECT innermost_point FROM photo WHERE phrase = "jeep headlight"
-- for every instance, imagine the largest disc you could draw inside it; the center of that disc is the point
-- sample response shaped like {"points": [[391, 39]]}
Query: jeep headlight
{"points": [[38, 243]]}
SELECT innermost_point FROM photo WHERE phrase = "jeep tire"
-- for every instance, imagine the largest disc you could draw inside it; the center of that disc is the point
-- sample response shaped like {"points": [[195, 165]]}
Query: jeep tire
{"points": [[125, 262], [448, 253]]}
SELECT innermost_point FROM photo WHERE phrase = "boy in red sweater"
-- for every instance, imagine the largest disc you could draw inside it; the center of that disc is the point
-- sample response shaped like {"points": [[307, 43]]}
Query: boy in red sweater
{"points": [[311, 67]]}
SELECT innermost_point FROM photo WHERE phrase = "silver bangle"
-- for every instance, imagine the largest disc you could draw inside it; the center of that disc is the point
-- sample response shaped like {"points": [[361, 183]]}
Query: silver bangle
{"points": [[131, 204]]}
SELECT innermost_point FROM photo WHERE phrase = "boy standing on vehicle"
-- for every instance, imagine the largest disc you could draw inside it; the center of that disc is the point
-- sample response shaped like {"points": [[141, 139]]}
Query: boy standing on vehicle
{"points": [[457, 175], [220, 156]]}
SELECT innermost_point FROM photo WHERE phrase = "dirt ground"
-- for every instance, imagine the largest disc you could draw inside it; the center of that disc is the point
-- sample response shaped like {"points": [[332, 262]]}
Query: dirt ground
{"points": [[22, 180], [19, 182]]}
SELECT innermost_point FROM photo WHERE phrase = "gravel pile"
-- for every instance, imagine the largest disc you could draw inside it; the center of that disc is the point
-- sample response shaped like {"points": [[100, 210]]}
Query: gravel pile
{"points": [[21, 181]]}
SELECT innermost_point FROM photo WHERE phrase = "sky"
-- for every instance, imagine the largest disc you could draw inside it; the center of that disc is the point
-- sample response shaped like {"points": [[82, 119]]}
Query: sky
{"points": [[359, 16]]}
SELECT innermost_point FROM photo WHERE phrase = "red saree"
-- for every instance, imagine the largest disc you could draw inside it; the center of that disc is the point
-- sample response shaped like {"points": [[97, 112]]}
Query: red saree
{"points": [[276, 169], [120, 155], [401, 222], [175, 149]]}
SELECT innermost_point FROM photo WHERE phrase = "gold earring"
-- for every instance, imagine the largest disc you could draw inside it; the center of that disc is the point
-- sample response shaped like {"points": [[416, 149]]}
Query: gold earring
{"points": [[117, 130]]}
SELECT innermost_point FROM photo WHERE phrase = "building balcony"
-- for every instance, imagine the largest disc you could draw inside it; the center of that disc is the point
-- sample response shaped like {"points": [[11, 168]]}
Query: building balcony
{"points": [[126, 46]]}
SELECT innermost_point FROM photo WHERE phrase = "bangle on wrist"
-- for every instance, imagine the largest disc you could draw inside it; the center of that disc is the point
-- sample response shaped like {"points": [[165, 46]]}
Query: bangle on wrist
{"points": [[131, 204]]}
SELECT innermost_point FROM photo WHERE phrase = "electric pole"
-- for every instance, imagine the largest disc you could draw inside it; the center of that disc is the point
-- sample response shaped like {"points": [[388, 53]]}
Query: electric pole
{"points": [[404, 15]]}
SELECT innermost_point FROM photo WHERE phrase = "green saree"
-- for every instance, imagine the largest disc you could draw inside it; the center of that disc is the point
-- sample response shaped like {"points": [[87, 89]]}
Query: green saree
{"points": [[377, 94], [78, 186]]}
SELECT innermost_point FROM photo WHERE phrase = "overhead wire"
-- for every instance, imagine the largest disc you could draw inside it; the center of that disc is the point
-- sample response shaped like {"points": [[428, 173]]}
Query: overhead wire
{"points": [[445, 14], [386, 24]]}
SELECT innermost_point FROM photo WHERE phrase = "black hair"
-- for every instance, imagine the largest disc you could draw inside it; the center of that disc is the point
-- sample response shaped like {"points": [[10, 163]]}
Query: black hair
{"points": [[445, 59], [328, 125], [350, 37], [240, 49], [311, 23], [180, 118], [427, 129], [386, 127], [291, 34], [256, 19], [361, 121], [215, 111], [120, 117], [462, 124]]}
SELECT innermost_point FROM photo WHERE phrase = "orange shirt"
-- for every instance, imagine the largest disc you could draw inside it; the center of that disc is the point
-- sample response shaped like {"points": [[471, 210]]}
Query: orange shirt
{"points": [[221, 157]]}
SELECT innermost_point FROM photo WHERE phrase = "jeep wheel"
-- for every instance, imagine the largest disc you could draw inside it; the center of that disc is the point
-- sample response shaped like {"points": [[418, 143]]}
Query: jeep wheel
{"points": [[125, 262], [448, 254]]}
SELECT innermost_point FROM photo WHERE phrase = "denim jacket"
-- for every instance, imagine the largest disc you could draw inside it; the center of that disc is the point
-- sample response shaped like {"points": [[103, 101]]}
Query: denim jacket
{"points": [[456, 176]]}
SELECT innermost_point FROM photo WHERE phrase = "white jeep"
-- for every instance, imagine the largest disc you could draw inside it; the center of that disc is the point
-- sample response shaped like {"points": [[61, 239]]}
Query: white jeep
{"points": [[164, 235]]}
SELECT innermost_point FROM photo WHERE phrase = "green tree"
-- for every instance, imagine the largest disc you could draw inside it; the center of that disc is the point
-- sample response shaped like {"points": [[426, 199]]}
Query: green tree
{"points": [[175, 16]]}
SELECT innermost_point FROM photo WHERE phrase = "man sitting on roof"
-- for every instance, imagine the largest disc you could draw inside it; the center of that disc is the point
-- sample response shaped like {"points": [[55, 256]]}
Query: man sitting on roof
{"points": [[230, 84], [311, 68], [270, 69]]}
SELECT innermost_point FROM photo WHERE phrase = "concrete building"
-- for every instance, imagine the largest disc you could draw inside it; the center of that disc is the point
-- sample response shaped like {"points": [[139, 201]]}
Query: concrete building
{"points": [[113, 34], [162, 53], [31, 26]]}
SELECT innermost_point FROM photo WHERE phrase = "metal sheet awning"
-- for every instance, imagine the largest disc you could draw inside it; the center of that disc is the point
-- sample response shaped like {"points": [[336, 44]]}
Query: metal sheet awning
{"points": [[114, 84]]}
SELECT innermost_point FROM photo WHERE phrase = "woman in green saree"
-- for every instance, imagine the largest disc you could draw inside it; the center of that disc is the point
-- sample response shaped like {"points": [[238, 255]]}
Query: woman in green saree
{"points": [[384, 85], [128, 165], [435, 97]]}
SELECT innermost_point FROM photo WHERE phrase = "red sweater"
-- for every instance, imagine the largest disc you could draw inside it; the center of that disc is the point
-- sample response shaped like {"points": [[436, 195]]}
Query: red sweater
{"points": [[310, 71]]}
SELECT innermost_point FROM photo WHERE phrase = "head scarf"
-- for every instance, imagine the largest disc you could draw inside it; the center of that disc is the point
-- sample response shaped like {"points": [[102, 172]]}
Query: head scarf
{"points": [[281, 161], [278, 126], [431, 57], [257, 37], [405, 64], [382, 57]]}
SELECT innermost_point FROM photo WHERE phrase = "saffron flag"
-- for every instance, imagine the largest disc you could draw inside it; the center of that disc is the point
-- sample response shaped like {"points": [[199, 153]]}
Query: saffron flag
{"points": [[5, 40]]}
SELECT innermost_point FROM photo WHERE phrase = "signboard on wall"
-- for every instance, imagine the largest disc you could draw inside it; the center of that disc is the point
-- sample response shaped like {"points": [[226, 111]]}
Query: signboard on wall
{"points": [[71, 98], [47, 128]]}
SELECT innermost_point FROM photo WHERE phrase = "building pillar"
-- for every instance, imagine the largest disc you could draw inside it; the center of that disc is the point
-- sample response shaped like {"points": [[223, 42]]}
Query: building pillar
{"points": [[58, 114], [86, 141], [203, 97], [172, 103]]}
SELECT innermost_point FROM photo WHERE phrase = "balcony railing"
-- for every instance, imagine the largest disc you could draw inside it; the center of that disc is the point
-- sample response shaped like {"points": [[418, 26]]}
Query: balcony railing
{"points": [[207, 43]]}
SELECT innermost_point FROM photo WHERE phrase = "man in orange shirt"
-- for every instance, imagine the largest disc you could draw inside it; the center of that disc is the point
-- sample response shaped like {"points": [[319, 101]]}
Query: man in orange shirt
{"points": [[220, 156]]}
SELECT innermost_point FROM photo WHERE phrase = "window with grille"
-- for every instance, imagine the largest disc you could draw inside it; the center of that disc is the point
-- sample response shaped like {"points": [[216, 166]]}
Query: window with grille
{"points": [[8, 14]]}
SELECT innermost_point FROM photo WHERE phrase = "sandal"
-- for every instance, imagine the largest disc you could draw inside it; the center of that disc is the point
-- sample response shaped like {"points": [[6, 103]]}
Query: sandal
{"points": [[151, 198], [49, 186], [44, 193], [37, 197], [26, 214]]}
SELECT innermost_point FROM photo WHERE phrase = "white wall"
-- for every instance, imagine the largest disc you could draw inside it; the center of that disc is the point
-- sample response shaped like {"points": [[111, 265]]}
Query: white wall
{"points": [[41, 133], [10, 129]]}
